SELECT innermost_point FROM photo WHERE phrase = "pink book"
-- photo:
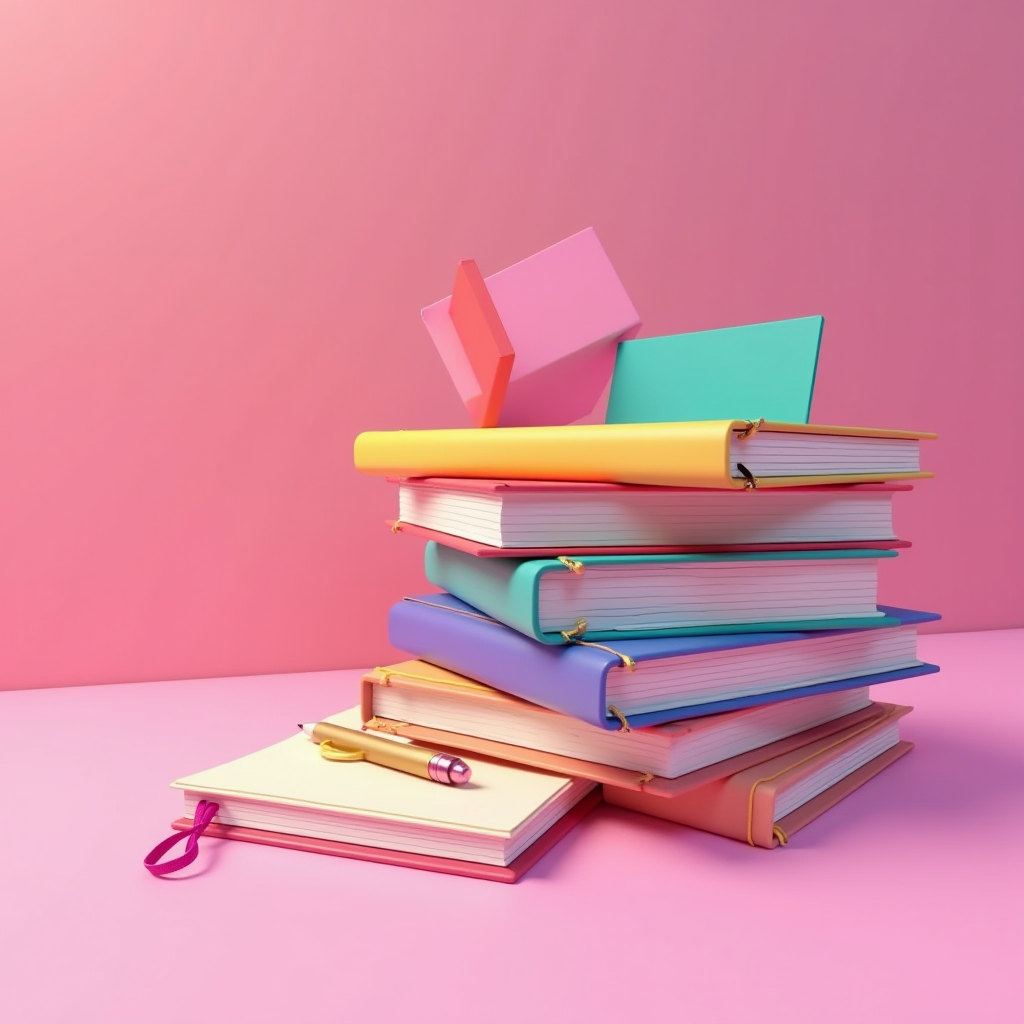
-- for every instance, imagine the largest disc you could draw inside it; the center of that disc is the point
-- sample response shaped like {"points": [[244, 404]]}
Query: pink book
{"points": [[766, 803], [534, 344], [537, 518], [444, 865]]}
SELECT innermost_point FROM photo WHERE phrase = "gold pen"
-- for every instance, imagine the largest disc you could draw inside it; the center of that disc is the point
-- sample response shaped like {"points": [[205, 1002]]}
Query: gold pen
{"points": [[405, 757]]}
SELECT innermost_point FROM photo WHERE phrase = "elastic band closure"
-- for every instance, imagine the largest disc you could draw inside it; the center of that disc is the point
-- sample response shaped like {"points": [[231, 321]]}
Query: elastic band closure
{"points": [[572, 564], [449, 608], [380, 725], [749, 480], [396, 526], [573, 636], [752, 427], [613, 710], [206, 811], [387, 673], [810, 757]]}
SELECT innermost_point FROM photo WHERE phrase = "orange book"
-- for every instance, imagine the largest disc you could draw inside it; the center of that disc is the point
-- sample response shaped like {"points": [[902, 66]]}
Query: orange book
{"points": [[765, 804]]}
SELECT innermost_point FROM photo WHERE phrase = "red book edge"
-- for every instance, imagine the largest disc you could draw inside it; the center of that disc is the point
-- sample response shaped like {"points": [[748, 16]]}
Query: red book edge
{"points": [[473, 547], [484, 341], [570, 486]]}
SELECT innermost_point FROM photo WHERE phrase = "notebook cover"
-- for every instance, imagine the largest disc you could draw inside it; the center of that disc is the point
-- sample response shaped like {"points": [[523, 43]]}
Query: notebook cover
{"points": [[478, 550], [737, 807], [444, 631], [508, 590], [424, 862], [661, 454], [560, 764], [718, 374]]}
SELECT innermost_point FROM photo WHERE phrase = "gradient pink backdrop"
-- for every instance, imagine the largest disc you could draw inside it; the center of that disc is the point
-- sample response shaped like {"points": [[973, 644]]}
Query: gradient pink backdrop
{"points": [[219, 222]]}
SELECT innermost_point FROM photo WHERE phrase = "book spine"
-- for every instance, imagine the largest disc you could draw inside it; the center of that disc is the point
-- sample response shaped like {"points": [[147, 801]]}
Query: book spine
{"points": [[663, 454], [566, 679], [504, 588]]}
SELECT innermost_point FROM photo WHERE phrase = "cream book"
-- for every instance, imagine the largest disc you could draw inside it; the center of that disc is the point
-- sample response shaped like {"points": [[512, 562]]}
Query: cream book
{"points": [[289, 789]]}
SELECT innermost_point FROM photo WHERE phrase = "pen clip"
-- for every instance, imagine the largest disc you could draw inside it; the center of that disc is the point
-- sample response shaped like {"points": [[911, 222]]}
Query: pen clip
{"points": [[329, 752]]}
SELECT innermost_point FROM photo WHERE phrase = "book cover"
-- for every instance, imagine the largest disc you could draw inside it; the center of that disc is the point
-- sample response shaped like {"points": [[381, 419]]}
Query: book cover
{"points": [[554, 600], [752, 806], [536, 518], [805, 719], [698, 454]]}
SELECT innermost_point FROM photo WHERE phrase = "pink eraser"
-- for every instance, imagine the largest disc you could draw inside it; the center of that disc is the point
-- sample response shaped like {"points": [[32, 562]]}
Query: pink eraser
{"points": [[562, 312]]}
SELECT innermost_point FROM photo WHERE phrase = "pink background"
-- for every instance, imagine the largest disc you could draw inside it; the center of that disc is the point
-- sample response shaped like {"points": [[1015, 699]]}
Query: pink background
{"points": [[219, 222]]}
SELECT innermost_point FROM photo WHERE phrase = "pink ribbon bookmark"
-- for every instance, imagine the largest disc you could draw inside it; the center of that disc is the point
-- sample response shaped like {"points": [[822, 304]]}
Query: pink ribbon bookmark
{"points": [[205, 813]]}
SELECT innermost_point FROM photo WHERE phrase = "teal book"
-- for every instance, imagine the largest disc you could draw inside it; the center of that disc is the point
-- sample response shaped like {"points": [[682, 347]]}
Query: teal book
{"points": [[608, 597], [761, 370]]}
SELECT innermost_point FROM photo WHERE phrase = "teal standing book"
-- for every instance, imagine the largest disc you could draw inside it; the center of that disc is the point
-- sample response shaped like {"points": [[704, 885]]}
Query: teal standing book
{"points": [[761, 370], [607, 597]]}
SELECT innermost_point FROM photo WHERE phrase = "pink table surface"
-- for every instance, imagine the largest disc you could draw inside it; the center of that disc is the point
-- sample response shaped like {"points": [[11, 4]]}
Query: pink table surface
{"points": [[904, 903]]}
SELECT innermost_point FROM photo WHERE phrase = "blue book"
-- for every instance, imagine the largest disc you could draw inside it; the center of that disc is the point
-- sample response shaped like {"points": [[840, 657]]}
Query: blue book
{"points": [[615, 597], [651, 681]]}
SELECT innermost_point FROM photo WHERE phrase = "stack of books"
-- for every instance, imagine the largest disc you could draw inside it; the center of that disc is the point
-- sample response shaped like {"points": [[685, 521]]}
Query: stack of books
{"points": [[685, 613], [674, 610]]}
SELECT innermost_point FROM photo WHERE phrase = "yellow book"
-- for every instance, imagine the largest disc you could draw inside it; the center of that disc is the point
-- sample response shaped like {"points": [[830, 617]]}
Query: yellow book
{"points": [[719, 454]]}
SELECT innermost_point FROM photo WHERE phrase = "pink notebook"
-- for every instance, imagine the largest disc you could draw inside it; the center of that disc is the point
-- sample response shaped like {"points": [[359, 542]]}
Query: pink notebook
{"points": [[492, 873]]}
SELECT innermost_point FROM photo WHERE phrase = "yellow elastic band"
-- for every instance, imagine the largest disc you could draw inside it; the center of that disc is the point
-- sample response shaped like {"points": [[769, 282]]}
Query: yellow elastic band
{"points": [[387, 673], [456, 681], [449, 608], [645, 778], [572, 564], [780, 833], [752, 427], [574, 636], [379, 725], [396, 526], [329, 752], [627, 662], [571, 636], [810, 757], [620, 716]]}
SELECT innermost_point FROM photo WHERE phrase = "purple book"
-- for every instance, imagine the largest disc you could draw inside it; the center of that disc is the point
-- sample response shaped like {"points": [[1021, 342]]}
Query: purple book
{"points": [[651, 681]]}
